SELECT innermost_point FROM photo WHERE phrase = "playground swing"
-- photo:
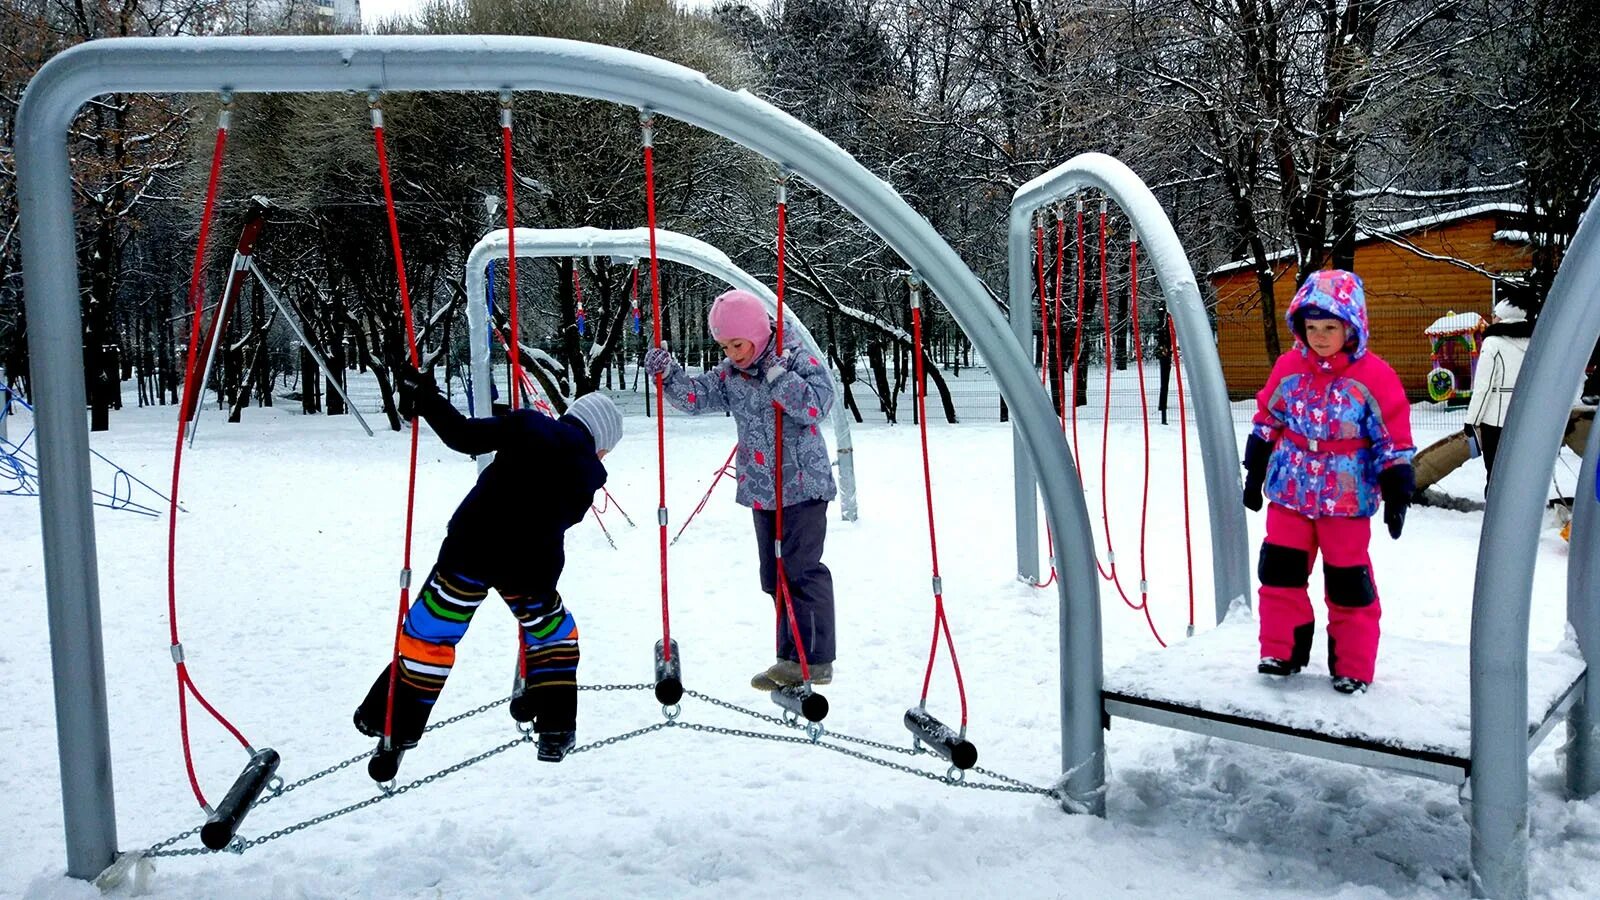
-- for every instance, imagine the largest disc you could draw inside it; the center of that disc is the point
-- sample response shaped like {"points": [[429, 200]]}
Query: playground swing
{"points": [[1068, 407], [259, 774]]}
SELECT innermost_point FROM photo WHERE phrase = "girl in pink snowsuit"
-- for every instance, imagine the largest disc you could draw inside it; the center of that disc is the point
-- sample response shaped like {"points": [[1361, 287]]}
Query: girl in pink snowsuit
{"points": [[1332, 434]]}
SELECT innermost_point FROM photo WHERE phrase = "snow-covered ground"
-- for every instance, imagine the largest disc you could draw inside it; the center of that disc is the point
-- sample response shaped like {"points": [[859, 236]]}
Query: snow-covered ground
{"points": [[288, 559]]}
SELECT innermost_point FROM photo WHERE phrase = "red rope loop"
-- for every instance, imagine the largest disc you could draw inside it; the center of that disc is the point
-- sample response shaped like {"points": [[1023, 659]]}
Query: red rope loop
{"points": [[940, 621], [1109, 574], [191, 398]]}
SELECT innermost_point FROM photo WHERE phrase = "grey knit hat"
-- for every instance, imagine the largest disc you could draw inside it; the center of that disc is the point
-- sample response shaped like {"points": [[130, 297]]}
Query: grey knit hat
{"points": [[600, 416]]}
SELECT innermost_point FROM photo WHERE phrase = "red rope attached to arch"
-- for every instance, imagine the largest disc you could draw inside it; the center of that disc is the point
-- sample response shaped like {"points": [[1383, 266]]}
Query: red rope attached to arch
{"points": [[191, 398], [416, 360], [940, 621], [785, 601], [514, 350], [648, 132]]}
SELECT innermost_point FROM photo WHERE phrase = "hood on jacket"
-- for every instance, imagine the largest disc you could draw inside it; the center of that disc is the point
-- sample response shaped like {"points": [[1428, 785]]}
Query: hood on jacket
{"points": [[1340, 294]]}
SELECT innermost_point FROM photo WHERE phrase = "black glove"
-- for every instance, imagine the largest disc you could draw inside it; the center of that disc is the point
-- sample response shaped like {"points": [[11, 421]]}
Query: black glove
{"points": [[1257, 450], [414, 388], [1397, 483]]}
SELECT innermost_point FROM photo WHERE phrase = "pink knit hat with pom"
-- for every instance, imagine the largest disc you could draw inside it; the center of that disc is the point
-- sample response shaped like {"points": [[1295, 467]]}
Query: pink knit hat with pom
{"points": [[740, 314]]}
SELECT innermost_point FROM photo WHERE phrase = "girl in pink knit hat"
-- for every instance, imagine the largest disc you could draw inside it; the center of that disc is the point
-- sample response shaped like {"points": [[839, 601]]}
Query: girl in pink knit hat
{"points": [[752, 381]]}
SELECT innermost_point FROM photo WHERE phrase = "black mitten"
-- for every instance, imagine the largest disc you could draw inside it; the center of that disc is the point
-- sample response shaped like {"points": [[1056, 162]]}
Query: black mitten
{"points": [[1257, 450], [1397, 483], [414, 388]]}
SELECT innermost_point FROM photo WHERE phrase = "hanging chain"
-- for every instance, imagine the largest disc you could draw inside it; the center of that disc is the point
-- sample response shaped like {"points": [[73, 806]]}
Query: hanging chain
{"points": [[815, 737]]}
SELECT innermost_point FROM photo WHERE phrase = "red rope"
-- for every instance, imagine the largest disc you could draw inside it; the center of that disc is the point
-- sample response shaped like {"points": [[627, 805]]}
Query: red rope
{"points": [[661, 432], [1077, 351], [726, 469], [784, 598], [1044, 326], [1144, 417], [1061, 358], [1061, 379], [515, 350], [940, 621], [1183, 432], [1105, 437], [411, 476], [191, 395]]}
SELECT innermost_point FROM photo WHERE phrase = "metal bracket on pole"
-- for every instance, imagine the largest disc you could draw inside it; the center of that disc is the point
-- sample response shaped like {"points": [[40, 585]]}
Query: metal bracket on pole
{"points": [[647, 127]]}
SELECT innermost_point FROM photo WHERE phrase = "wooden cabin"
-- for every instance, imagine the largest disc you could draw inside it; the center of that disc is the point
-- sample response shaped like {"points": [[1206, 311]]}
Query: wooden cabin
{"points": [[1412, 278]]}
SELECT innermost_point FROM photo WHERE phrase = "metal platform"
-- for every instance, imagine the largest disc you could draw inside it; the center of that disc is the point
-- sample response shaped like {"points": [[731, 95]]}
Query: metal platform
{"points": [[1415, 718]]}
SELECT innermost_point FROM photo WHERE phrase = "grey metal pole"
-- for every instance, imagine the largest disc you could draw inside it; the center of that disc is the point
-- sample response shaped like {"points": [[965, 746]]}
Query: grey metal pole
{"points": [[1019, 284], [72, 590], [1230, 553], [1583, 613], [288, 316], [224, 309], [457, 63], [670, 245], [1562, 340]]}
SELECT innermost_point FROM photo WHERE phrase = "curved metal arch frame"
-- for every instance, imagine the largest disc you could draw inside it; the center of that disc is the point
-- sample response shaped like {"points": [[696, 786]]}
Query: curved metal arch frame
{"points": [[1230, 557], [537, 243], [388, 63]]}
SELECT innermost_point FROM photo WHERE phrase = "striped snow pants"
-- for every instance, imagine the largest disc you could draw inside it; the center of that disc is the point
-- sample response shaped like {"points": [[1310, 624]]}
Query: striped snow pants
{"points": [[438, 620]]}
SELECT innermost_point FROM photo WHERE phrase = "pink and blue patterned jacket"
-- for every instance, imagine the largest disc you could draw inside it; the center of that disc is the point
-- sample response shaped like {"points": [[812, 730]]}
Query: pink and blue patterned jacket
{"points": [[1352, 399]]}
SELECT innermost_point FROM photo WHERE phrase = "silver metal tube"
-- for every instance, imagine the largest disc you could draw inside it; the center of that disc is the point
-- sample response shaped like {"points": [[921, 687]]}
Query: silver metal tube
{"points": [[1230, 553], [72, 590], [288, 316], [220, 318], [1583, 613], [1019, 284], [1507, 549], [463, 63]]}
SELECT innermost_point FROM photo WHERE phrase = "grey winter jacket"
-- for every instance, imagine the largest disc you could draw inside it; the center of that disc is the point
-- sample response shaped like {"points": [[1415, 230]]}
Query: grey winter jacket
{"points": [[805, 392]]}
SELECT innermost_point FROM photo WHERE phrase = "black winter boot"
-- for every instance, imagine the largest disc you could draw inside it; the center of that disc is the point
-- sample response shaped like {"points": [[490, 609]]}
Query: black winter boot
{"points": [[410, 712], [1271, 665]]}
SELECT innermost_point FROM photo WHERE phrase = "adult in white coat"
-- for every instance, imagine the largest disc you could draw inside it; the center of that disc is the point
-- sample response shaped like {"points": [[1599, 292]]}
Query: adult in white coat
{"points": [[1505, 342]]}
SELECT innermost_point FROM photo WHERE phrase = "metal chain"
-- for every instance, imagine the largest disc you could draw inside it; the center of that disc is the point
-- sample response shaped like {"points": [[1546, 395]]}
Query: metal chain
{"points": [[239, 845], [1014, 784]]}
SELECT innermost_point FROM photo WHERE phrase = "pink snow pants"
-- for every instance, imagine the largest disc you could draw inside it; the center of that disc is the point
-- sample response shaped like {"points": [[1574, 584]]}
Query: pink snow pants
{"points": [[1351, 594]]}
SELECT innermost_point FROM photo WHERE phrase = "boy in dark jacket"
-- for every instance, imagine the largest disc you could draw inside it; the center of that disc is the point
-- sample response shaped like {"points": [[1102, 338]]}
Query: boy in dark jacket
{"points": [[506, 535]]}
